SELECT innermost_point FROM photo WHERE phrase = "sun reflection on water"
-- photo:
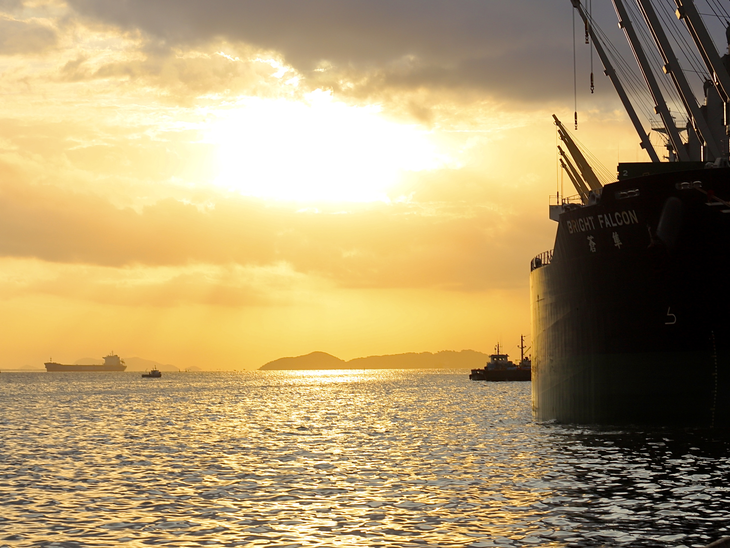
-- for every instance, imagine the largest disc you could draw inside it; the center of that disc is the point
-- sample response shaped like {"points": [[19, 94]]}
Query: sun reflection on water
{"points": [[334, 458], [328, 376]]}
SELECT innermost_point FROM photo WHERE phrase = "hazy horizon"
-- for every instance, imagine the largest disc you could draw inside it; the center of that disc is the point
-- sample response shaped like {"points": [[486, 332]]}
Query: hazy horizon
{"points": [[135, 363]]}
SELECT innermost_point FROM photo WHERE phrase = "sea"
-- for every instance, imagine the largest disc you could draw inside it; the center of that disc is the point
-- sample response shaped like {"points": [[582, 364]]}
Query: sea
{"points": [[377, 458]]}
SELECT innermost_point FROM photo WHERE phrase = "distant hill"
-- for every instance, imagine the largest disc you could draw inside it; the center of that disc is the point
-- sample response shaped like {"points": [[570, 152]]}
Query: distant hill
{"points": [[315, 360], [446, 359], [26, 368]]}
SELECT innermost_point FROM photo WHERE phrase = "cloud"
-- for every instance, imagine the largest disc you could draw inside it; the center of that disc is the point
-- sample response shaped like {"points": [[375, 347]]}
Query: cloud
{"points": [[20, 37], [182, 76], [511, 50], [464, 229], [194, 74], [11, 5], [143, 286], [372, 246]]}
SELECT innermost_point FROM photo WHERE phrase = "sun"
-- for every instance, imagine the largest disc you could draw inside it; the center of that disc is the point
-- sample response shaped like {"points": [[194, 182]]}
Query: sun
{"points": [[315, 150]]}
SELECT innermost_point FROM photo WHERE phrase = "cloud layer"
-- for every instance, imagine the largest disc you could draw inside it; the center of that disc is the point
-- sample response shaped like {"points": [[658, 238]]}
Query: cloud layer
{"points": [[371, 246], [502, 49]]}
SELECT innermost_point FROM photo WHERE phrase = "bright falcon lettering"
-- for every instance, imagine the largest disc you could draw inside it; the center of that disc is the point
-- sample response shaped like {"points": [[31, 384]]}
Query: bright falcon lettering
{"points": [[618, 218], [605, 220], [583, 224]]}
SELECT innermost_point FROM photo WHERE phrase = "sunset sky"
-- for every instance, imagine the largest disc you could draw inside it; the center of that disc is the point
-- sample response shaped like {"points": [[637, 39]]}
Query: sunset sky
{"points": [[220, 184]]}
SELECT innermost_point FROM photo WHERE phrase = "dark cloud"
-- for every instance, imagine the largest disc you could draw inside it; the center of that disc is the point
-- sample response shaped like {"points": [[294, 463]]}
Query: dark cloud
{"points": [[355, 31], [18, 37], [519, 49], [11, 5]]}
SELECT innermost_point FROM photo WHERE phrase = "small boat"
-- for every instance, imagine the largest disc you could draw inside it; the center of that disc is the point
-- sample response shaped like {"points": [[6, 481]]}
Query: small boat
{"points": [[500, 368], [153, 374]]}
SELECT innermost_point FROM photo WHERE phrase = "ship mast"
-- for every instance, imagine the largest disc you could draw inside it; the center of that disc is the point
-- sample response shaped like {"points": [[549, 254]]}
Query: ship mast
{"points": [[522, 348]]}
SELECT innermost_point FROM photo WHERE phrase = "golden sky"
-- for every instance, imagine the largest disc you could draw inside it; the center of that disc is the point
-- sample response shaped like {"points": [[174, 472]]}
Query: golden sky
{"points": [[220, 184]]}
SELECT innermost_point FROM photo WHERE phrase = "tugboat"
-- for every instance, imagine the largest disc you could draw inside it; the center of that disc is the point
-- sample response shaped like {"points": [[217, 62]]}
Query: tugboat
{"points": [[153, 373], [500, 368]]}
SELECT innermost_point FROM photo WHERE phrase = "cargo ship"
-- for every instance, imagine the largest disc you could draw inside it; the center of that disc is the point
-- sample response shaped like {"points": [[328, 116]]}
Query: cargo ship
{"points": [[112, 362], [630, 310]]}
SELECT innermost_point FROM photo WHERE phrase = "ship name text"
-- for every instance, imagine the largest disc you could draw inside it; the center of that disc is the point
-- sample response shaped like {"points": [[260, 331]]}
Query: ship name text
{"points": [[602, 220]]}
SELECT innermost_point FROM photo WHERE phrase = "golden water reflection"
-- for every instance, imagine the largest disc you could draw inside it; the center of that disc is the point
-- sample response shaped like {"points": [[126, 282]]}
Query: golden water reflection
{"points": [[336, 458]]}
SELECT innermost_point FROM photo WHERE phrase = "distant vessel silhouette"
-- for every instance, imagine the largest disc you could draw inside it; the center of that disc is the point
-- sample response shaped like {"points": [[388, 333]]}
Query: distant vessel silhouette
{"points": [[112, 362], [501, 368]]}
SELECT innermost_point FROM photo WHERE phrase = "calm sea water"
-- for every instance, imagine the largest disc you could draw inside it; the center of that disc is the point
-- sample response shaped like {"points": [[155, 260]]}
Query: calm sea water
{"points": [[364, 458]]}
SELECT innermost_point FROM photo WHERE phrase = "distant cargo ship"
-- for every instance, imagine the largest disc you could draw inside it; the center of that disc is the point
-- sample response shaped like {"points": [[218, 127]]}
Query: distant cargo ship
{"points": [[112, 362]]}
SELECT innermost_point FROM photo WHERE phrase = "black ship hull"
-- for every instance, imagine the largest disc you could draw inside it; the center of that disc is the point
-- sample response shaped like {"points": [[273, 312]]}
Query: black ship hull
{"points": [[631, 311], [508, 375], [53, 367]]}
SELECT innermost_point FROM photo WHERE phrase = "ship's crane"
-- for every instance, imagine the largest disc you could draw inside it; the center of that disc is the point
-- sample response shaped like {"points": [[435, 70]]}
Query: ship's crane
{"points": [[708, 126], [574, 176], [660, 105], [672, 68], [586, 171], [610, 71], [687, 12]]}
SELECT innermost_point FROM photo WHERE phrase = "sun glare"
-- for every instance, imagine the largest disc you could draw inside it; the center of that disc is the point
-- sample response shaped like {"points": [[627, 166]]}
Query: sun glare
{"points": [[318, 150]]}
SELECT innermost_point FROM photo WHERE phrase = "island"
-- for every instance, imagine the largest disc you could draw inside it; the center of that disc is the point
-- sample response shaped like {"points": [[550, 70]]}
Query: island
{"points": [[446, 359]]}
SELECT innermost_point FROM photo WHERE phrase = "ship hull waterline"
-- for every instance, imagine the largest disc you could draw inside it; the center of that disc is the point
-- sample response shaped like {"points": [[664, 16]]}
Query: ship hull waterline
{"points": [[60, 368]]}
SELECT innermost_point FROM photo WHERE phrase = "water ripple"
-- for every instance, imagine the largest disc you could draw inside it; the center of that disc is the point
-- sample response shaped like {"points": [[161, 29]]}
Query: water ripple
{"points": [[378, 458]]}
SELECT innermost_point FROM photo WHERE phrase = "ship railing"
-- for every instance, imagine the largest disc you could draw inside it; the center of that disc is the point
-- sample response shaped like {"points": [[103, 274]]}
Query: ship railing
{"points": [[557, 199], [541, 260]]}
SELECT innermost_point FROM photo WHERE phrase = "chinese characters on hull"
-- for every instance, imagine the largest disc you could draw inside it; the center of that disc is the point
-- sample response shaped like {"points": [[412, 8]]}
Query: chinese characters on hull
{"points": [[600, 222]]}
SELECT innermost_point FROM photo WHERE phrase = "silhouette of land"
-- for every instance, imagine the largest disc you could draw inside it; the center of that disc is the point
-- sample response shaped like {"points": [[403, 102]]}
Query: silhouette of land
{"points": [[446, 359]]}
